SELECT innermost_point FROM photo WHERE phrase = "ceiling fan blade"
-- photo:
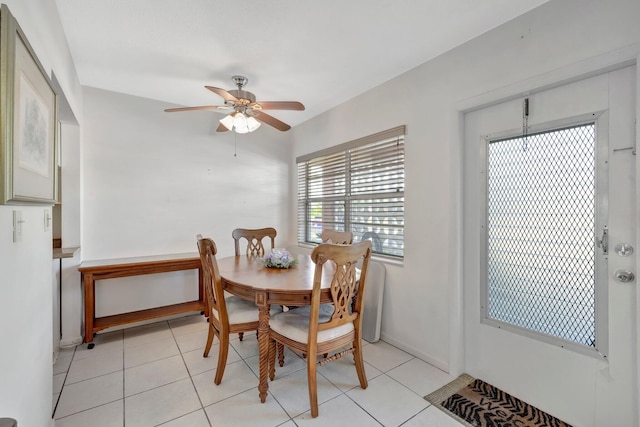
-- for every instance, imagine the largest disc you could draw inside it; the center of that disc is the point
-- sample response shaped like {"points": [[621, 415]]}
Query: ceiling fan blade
{"points": [[202, 107], [281, 105], [271, 121], [222, 128], [223, 93]]}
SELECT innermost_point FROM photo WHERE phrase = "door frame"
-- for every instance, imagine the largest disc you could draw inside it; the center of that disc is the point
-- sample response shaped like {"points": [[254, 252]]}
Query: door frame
{"points": [[578, 71]]}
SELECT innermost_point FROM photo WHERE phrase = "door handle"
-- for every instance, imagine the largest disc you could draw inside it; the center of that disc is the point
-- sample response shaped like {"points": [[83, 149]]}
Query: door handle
{"points": [[604, 241]]}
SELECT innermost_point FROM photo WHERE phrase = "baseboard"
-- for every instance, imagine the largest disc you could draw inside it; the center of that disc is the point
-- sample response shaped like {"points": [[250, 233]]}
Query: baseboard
{"points": [[438, 363], [71, 342]]}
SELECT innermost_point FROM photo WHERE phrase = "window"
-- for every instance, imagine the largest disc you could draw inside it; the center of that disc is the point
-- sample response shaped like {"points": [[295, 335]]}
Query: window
{"points": [[541, 219], [357, 186]]}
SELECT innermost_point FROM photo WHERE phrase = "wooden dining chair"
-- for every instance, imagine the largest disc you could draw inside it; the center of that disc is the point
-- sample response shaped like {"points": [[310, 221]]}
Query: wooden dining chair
{"points": [[318, 333], [254, 238], [226, 315], [255, 247], [338, 237]]}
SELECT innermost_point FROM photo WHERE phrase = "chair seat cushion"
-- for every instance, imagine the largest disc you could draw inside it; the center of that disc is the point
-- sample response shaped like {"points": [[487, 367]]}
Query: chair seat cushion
{"points": [[294, 324], [241, 311]]}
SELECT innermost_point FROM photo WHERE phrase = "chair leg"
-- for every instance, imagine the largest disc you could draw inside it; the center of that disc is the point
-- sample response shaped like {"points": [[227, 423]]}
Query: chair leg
{"points": [[272, 359], [281, 354], [313, 385], [222, 357], [358, 359], [209, 340]]}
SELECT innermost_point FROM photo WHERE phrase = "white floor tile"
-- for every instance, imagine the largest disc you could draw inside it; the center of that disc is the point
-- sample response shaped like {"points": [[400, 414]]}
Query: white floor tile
{"points": [[109, 415], [245, 410], [149, 352], [384, 356], [248, 347], [103, 343], [188, 325], [192, 341], [161, 404], [154, 374], [66, 351], [194, 419], [420, 376], [292, 392], [146, 334], [58, 382], [104, 362], [54, 402], [292, 363], [432, 417], [196, 364], [62, 364], [338, 412], [89, 394], [237, 378], [388, 401], [342, 373], [160, 369]]}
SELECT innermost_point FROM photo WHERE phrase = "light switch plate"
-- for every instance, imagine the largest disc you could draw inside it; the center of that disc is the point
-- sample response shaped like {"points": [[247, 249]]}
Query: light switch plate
{"points": [[17, 226], [47, 220]]}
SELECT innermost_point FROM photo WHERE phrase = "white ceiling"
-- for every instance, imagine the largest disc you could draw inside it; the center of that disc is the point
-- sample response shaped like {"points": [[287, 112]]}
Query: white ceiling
{"points": [[320, 53]]}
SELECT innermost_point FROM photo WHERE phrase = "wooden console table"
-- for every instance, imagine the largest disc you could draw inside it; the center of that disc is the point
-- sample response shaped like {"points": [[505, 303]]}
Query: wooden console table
{"points": [[113, 268]]}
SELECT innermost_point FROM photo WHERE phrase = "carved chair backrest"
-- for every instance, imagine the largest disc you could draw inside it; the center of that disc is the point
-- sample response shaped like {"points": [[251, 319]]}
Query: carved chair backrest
{"points": [[254, 237], [346, 285], [338, 237], [213, 283]]}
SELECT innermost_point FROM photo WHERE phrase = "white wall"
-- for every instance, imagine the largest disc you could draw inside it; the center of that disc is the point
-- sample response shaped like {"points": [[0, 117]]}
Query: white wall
{"points": [[26, 266], [71, 298], [153, 180], [422, 302]]}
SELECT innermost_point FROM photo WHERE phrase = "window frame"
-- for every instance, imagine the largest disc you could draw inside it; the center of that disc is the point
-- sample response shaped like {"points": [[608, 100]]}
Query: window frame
{"points": [[348, 192]]}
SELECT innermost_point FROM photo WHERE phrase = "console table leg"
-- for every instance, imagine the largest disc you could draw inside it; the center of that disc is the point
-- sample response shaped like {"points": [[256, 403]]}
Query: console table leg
{"points": [[89, 306]]}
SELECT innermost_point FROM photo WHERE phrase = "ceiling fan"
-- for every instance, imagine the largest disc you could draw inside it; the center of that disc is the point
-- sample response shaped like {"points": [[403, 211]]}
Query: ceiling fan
{"points": [[246, 113]]}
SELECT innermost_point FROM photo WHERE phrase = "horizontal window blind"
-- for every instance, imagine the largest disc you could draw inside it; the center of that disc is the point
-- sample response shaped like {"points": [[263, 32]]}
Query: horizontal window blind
{"points": [[357, 186]]}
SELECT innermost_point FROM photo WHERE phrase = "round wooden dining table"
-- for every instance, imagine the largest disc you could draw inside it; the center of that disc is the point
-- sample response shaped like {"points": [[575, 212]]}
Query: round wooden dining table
{"points": [[246, 278]]}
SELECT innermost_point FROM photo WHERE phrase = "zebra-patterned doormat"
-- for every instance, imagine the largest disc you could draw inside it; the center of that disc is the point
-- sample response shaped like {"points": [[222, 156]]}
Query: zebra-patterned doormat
{"points": [[478, 404]]}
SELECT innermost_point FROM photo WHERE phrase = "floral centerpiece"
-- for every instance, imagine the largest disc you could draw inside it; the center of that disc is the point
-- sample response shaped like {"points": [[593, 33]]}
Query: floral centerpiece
{"points": [[278, 258]]}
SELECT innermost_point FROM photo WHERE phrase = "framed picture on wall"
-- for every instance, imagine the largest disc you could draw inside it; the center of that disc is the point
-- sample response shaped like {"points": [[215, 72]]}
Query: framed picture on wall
{"points": [[28, 121]]}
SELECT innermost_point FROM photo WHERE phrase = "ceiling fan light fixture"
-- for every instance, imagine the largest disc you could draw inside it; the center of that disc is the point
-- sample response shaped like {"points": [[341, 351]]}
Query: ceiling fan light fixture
{"points": [[227, 121], [252, 124], [240, 122]]}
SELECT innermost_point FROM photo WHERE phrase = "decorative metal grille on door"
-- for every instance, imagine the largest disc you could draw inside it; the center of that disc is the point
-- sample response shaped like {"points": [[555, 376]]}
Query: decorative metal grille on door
{"points": [[541, 207]]}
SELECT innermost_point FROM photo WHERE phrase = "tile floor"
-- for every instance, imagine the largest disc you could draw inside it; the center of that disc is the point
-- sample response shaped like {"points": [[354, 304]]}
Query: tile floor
{"points": [[155, 375]]}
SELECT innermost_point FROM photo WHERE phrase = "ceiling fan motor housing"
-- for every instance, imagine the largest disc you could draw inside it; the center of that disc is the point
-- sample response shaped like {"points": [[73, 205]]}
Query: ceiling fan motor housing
{"points": [[244, 96]]}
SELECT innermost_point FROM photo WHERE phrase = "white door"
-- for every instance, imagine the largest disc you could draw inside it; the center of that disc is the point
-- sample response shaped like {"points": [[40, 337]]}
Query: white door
{"points": [[585, 382]]}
